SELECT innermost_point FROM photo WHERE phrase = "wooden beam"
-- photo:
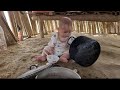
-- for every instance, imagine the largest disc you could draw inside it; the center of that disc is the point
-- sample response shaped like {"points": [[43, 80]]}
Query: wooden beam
{"points": [[100, 18], [10, 38]]}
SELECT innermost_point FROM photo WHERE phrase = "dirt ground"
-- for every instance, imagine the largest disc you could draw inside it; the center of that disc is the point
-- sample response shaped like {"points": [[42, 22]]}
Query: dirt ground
{"points": [[18, 58]]}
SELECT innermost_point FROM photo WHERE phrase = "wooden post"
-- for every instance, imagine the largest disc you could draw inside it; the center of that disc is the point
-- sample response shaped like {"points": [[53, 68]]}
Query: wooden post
{"points": [[101, 28], [51, 25], [45, 29], [12, 20], [41, 27], [89, 25], [33, 28], [85, 24], [108, 27], [114, 26], [25, 33], [77, 23], [56, 24], [93, 28], [104, 27], [118, 28], [26, 24], [97, 27], [18, 23], [81, 26], [48, 26]]}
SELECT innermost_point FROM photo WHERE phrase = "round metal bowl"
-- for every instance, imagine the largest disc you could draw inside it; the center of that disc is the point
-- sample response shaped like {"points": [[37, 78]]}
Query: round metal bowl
{"points": [[58, 73]]}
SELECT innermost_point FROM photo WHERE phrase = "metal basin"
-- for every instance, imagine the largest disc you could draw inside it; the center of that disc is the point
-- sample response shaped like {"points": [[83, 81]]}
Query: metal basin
{"points": [[58, 73]]}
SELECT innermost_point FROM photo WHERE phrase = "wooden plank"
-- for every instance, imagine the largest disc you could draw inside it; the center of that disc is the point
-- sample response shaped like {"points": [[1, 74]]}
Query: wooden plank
{"points": [[105, 18]]}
